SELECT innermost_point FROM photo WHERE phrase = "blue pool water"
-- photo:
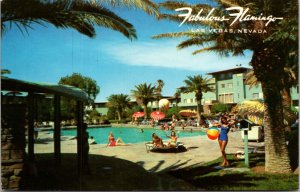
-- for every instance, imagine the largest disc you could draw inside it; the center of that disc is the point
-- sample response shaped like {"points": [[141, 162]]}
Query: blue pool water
{"points": [[129, 135]]}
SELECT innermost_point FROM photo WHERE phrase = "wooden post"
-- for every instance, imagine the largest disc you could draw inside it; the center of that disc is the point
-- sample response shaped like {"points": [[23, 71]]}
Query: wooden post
{"points": [[31, 126], [57, 148], [79, 136]]}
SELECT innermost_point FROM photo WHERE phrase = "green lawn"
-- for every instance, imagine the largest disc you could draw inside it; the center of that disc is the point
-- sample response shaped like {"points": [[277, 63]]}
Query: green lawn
{"points": [[210, 177]]}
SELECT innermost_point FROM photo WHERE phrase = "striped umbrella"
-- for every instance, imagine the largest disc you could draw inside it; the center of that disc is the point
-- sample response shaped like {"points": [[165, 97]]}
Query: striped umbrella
{"points": [[157, 115], [187, 113]]}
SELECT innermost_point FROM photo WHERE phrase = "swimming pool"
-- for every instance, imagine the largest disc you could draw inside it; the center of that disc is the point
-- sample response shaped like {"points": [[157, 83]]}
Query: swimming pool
{"points": [[129, 135]]}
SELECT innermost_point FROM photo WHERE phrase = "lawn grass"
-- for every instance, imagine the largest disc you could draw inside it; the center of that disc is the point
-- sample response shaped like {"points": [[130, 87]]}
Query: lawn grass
{"points": [[209, 177]]}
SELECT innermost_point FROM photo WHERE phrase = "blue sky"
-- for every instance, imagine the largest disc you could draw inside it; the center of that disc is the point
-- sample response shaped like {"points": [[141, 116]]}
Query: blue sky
{"points": [[46, 54]]}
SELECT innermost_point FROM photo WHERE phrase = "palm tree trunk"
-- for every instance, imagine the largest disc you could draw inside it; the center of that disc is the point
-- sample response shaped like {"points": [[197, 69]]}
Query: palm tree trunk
{"points": [[277, 159], [199, 112], [119, 115], [145, 111], [289, 116], [268, 70]]}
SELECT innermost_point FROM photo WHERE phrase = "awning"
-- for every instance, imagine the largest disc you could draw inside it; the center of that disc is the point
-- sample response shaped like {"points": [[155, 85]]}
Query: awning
{"points": [[10, 84]]}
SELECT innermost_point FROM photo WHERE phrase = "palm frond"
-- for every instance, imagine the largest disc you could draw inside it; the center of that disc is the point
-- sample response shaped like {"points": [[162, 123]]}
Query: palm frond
{"points": [[251, 79], [220, 50], [146, 5], [172, 5], [175, 35], [80, 15], [193, 41]]}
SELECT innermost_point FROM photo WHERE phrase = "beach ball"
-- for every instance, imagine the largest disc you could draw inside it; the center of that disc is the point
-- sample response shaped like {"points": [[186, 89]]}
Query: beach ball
{"points": [[213, 133], [164, 104]]}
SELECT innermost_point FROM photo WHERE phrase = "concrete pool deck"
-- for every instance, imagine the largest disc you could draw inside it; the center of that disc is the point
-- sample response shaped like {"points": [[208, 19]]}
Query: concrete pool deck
{"points": [[200, 150]]}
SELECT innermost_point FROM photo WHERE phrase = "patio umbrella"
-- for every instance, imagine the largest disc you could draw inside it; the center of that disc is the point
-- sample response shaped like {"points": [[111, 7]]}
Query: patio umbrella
{"points": [[250, 107], [157, 115], [13, 93], [253, 109], [187, 113], [138, 114]]}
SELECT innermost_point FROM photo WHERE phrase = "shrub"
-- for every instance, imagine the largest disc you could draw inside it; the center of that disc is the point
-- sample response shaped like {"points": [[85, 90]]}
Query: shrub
{"points": [[219, 107]]}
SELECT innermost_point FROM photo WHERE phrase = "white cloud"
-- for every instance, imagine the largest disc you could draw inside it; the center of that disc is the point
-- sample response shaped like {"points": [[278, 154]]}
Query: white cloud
{"points": [[165, 54]]}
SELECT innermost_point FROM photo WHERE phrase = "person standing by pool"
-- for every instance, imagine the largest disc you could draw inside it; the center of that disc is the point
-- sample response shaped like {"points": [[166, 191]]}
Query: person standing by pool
{"points": [[112, 142], [223, 138]]}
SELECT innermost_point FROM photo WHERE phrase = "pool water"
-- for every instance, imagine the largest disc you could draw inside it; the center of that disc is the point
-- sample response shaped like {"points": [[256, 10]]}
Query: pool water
{"points": [[129, 135]]}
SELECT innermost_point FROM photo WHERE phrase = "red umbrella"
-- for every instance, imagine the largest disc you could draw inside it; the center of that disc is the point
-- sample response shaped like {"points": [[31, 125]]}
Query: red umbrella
{"points": [[138, 114], [157, 115]]}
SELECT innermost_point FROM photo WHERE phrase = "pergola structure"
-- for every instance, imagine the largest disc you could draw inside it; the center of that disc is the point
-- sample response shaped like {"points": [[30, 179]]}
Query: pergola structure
{"points": [[33, 88]]}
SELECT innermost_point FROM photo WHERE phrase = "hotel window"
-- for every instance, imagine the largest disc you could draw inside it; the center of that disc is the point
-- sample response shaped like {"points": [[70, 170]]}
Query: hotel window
{"points": [[222, 76], [222, 85], [229, 85], [226, 98], [255, 95], [229, 75], [184, 100]]}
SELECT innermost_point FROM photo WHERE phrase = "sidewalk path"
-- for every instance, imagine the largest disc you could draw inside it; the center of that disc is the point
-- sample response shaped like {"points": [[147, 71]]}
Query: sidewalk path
{"points": [[200, 150]]}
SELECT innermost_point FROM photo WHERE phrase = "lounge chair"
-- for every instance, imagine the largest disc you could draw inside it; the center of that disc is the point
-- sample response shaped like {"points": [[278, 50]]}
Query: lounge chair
{"points": [[165, 149]]}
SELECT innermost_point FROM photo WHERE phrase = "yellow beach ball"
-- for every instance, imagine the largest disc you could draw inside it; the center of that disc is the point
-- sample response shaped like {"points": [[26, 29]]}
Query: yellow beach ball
{"points": [[213, 133]]}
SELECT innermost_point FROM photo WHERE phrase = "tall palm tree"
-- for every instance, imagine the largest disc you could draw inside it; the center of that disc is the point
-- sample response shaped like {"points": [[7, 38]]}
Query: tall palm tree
{"points": [[177, 96], [77, 14], [268, 59], [198, 85], [158, 90], [143, 94], [119, 102]]}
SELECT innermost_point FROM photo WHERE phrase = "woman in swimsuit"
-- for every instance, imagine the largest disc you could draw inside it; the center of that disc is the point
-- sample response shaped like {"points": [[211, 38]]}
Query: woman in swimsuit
{"points": [[173, 138], [223, 138], [157, 141], [112, 142]]}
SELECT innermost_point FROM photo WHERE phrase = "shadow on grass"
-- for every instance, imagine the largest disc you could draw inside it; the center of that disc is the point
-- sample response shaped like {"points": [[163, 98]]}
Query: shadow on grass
{"points": [[107, 173], [211, 177]]}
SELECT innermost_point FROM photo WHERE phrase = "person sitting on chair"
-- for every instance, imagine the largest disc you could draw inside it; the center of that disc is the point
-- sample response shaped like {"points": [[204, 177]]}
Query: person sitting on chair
{"points": [[173, 138], [157, 141], [92, 140]]}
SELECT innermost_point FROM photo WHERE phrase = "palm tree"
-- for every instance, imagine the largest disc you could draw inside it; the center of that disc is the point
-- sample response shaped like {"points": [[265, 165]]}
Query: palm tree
{"points": [[77, 14], [158, 90], [119, 102], [268, 59], [5, 71], [177, 96], [143, 94], [198, 85]]}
